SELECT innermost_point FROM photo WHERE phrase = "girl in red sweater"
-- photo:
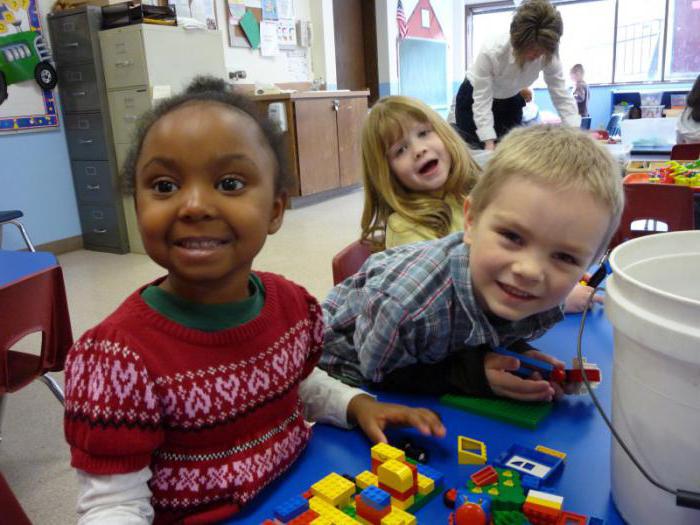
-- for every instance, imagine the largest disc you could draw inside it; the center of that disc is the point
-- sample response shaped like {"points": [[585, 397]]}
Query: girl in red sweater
{"points": [[194, 394]]}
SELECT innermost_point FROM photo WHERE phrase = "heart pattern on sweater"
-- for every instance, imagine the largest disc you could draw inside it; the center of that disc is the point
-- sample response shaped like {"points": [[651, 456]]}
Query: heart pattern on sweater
{"points": [[280, 362], [258, 379], [197, 401], [123, 381], [227, 388]]}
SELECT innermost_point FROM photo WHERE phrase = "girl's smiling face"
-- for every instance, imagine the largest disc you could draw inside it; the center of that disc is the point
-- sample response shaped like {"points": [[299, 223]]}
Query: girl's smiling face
{"points": [[419, 158], [205, 199]]}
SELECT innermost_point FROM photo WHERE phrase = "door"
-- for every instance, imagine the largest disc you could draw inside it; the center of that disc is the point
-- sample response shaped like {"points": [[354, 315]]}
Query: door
{"points": [[317, 144], [356, 45], [351, 114]]}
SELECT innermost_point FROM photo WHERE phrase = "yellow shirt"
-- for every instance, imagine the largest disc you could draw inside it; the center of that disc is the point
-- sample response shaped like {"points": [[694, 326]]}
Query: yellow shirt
{"points": [[400, 230]]}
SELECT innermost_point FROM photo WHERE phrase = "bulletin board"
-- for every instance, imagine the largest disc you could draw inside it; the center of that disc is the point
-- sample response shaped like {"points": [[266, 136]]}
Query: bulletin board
{"points": [[24, 63], [423, 70], [236, 37]]}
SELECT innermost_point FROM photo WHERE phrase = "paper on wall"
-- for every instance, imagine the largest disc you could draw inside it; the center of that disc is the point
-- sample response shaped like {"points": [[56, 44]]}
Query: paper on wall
{"points": [[268, 38]]}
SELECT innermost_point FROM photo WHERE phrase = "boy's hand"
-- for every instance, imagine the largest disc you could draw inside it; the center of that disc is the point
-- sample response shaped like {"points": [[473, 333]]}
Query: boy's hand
{"points": [[498, 373], [373, 417], [578, 297]]}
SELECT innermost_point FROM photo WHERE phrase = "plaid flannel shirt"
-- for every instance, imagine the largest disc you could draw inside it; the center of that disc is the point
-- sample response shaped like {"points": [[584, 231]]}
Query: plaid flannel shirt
{"points": [[412, 304]]}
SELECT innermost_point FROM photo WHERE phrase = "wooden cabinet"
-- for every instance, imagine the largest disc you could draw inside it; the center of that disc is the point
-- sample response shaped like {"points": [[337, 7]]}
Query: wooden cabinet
{"points": [[323, 138]]}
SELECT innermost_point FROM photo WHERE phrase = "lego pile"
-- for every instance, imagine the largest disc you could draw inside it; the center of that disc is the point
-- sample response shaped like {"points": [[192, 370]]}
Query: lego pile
{"points": [[386, 495], [674, 172]]}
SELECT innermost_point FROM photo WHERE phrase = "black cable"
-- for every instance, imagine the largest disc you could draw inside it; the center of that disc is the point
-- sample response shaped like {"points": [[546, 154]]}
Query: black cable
{"points": [[684, 498]]}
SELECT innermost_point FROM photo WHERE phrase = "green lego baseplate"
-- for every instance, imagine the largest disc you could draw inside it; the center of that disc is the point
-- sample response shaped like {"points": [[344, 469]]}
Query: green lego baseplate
{"points": [[506, 494], [520, 413], [509, 517]]}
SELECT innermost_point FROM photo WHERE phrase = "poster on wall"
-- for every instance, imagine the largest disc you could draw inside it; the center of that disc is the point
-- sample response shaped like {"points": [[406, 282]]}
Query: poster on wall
{"points": [[27, 76], [235, 11]]}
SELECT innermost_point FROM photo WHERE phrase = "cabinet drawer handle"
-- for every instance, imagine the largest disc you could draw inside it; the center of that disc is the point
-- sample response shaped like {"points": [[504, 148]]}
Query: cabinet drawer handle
{"points": [[123, 63], [86, 141], [99, 230], [79, 93], [93, 187], [336, 105], [71, 44]]}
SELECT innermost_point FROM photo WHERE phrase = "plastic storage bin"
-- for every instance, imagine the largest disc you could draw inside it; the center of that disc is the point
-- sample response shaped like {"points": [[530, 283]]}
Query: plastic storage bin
{"points": [[650, 98], [678, 101], [652, 111]]}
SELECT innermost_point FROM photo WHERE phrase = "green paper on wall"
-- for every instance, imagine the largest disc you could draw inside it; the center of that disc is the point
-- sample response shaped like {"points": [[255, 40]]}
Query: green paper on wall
{"points": [[251, 29]]}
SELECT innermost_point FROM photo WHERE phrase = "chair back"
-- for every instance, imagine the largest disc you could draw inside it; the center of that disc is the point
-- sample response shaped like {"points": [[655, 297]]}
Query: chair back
{"points": [[35, 303], [686, 151], [349, 260], [654, 208]]}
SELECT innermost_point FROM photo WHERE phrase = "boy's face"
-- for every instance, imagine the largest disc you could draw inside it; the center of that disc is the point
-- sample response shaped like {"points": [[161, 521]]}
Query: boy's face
{"points": [[531, 245], [205, 199], [419, 159]]}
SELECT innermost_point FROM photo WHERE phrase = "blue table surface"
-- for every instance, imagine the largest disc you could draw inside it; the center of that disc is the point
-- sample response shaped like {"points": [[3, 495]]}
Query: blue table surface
{"points": [[574, 427], [15, 265]]}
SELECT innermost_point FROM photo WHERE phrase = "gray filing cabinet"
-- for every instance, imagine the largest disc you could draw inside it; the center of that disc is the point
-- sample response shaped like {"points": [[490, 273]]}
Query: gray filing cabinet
{"points": [[143, 60], [76, 51]]}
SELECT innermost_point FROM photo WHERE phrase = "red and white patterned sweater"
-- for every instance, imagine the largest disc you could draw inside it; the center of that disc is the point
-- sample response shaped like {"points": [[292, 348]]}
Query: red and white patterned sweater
{"points": [[216, 415]]}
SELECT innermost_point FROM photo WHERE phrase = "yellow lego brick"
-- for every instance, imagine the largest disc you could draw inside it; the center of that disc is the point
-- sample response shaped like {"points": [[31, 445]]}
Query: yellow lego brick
{"points": [[322, 520], [335, 489], [365, 478], [551, 452], [493, 491], [403, 504], [360, 519], [470, 451], [398, 517], [383, 452], [395, 475], [425, 485], [552, 501], [325, 509]]}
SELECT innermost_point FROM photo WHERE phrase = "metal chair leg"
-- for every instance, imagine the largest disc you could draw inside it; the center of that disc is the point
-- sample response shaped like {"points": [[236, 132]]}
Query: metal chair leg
{"points": [[2, 411], [53, 386], [24, 235]]}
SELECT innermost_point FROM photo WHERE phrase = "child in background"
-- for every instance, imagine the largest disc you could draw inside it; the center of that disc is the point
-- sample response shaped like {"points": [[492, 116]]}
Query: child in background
{"points": [[423, 317], [688, 126], [192, 396], [581, 91], [417, 172]]}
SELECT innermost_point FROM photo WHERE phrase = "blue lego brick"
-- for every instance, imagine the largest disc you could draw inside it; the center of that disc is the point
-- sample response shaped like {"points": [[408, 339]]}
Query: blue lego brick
{"points": [[596, 521], [429, 472], [528, 365], [375, 497], [291, 508], [528, 463]]}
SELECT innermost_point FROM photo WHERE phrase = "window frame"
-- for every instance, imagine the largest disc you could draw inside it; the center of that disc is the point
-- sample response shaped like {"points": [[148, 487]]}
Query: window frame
{"points": [[507, 5]]}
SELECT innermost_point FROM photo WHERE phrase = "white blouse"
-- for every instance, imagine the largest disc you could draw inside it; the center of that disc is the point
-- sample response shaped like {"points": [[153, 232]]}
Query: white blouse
{"points": [[496, 74]]}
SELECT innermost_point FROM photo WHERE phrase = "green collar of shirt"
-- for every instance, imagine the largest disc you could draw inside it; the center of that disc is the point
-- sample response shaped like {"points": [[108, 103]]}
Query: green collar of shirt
{"points": [[207, 317]]}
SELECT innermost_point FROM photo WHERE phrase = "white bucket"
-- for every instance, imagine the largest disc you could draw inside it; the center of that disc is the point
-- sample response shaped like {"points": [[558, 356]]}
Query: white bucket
{"points": [[653, 303]]}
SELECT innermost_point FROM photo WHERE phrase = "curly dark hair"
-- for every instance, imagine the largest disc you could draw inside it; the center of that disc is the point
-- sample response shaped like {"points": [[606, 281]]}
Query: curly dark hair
{"points": [[206, 89], [693, 100]]}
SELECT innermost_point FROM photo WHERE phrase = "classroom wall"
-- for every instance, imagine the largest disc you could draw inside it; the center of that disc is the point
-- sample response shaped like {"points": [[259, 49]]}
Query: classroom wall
{"points": [[450, 15], [599, 106], [35, 177]]}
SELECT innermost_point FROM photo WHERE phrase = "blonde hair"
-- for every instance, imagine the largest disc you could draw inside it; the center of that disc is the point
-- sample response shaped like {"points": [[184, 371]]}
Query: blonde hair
{"points": [[556, 156], [536, 24], [386, 124]]}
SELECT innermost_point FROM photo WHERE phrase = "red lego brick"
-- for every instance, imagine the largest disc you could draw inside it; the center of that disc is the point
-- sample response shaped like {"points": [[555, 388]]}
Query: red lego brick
{"points": [[571, 518], [541, 515], [304, 519], [366, 512], [574, 375], [485, 476], [396, 494]]}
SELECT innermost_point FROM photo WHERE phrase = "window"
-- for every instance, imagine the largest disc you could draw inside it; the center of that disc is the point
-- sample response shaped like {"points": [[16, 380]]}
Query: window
{"points": [[654, 40], [683, 45], [640, 40]]}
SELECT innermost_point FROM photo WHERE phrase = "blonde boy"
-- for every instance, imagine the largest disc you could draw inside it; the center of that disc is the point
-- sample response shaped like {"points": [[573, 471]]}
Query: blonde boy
{"points": [[423, 317]]}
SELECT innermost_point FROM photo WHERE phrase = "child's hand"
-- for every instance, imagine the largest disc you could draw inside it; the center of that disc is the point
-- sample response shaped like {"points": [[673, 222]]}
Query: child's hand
{"points": [[503, 383], [373, 417], [578, 297]]}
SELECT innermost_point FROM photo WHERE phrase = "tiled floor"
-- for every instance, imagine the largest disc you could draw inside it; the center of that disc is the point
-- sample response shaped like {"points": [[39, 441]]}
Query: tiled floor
{"points": [[33, 454]]}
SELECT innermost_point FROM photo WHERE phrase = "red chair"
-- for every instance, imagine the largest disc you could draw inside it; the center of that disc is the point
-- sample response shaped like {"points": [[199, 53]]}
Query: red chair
{"points": [[349, 260], [35, 303], [685, 151], [12, 511], [654, 208]]}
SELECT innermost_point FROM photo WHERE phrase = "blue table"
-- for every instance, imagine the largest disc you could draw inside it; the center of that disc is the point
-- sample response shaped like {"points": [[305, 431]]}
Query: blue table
{"points": [[573, 427], [15, 265]]}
